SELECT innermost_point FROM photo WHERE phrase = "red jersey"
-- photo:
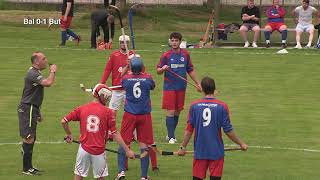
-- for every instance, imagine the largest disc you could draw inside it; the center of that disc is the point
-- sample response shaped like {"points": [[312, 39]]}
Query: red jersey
{"points": [[95, 121], [117, 61]]}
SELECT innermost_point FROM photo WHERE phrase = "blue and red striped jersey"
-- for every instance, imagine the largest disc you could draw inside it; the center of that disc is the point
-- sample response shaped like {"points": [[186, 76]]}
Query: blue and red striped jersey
{"points": [[207, 117], [181, 64], [137, 89], [275, 14]]}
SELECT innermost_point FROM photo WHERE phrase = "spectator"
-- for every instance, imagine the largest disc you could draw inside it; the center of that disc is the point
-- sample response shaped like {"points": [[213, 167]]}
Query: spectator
{"points": [[303, 19], [250, 15]]}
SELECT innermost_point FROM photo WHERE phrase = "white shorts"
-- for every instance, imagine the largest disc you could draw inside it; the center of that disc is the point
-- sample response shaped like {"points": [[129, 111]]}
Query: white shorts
{"points": [[304, 27], [116, 99], [85, 159]]}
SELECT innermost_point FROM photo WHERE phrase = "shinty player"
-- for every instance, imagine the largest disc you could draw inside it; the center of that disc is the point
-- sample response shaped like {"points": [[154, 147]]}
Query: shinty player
{"points": [[95, 121], [137, 114], [206, 118]]}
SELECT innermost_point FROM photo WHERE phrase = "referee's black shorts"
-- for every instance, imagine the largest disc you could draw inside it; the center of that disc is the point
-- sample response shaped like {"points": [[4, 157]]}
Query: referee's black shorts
{"points": [[28, 117]]}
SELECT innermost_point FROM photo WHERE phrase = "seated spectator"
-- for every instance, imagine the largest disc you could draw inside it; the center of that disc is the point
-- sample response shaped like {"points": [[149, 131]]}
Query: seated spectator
{"points": [[250, 15], [303, 16], [275, 15]]}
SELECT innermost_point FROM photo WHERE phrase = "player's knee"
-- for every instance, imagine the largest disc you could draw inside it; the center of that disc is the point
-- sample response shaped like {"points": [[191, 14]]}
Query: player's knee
{"points": [[143, 145], [170, 113], [256, 29], [283, 27], [243, 29], [311, 31], [215, 178], [268, 28], [177, 112]]}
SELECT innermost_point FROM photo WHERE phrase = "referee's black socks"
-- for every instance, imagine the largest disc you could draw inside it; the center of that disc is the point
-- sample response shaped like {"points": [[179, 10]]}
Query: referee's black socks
{"points": [[27, 155]]}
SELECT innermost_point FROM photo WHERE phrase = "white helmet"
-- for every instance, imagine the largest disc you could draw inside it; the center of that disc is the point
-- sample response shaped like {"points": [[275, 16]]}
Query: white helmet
{"points": [[124, 38], [102, 92]]}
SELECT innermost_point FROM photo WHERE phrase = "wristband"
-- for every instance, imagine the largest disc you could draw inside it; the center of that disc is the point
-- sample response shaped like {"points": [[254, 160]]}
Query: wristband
{"points": [[183, 148]]}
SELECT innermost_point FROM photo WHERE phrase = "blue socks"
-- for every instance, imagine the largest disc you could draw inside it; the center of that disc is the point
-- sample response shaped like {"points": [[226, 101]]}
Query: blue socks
{"points": [[176, 120], [144, 164], [121, 159], [63, 37], [284, 35], [170, 123], [71, 33], [267, 35]]}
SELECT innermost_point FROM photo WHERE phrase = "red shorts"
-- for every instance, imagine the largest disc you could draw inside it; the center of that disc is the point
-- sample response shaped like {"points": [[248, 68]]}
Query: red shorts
{"points": [[275, 25], [142, 123], [173, 100], [200, 167], [65, 24]]}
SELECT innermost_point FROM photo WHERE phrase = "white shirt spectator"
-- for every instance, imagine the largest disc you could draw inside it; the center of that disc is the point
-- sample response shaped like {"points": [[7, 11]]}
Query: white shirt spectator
{"points": [[305, 16]]}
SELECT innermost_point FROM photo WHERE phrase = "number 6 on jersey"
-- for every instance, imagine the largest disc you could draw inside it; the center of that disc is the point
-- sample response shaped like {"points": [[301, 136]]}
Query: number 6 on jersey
{"points": [[136, 90]]}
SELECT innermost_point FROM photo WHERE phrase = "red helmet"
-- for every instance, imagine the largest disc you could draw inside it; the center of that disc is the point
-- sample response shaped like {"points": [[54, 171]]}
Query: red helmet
{"points": [[102, 91]]}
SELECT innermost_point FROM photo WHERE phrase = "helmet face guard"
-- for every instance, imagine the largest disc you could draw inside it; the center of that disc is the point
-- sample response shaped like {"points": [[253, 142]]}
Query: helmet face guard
{"points": [[124, 38], [102, 93]]}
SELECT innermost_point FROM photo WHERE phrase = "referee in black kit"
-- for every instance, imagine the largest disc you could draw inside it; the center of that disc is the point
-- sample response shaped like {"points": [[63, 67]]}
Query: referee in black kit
{"points": [[29, 107], [101, 18]]}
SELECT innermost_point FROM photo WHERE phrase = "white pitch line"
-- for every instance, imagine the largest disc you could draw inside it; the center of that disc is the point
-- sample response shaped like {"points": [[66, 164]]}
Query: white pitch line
{"points": [[279, 148], [296, 52], [162, 143]]}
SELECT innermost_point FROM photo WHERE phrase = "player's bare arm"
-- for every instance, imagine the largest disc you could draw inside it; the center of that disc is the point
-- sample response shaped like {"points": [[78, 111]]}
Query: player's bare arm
{"points": [[186, 139], [163, 69], [246, 17], [68, 138], [295, 16], [193, 76], [255, 18], [118, 138], [124, 70], [233, 137], [50, 79]]}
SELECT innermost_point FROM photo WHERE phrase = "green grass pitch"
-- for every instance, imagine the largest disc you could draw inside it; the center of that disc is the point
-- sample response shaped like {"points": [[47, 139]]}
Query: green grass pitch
{"points": [[274, 100]]}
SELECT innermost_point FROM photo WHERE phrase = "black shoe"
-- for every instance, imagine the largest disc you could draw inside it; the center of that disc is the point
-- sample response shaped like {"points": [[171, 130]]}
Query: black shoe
{"points": [[37, 170], [30, 172], [284, 45], [268, 45]]}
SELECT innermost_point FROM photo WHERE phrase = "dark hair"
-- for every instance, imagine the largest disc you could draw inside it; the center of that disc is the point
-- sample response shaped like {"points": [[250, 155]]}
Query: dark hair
{"points": [[208, 85], [306, 1], [176, 35], [34, 56]]}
